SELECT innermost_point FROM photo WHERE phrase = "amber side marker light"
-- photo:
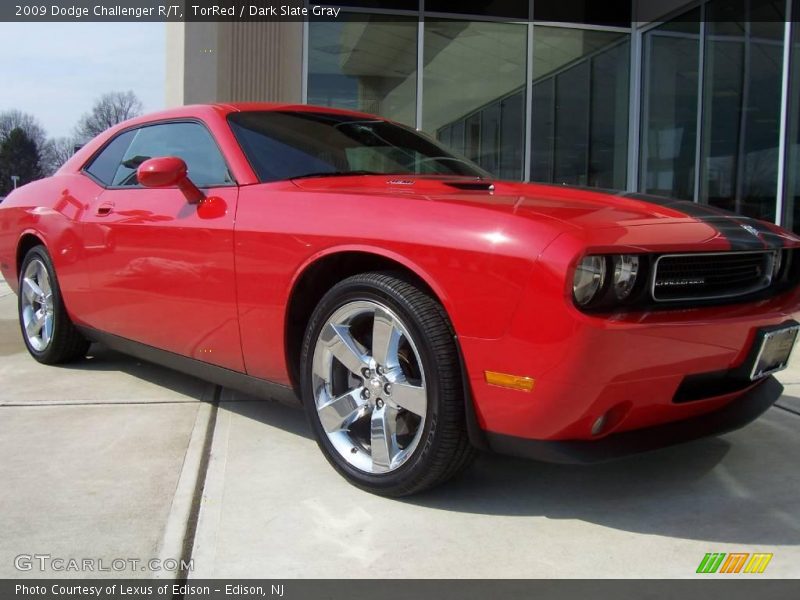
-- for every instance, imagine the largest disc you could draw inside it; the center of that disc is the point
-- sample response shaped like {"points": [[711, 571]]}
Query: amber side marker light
{"points": [[514, 382]]}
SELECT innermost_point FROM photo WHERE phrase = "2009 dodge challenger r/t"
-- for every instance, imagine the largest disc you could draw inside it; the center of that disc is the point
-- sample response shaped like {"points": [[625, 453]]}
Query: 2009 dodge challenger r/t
{"points": [[417, 307]]}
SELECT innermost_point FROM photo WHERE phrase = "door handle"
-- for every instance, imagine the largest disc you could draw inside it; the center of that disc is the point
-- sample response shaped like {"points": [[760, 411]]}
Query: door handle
{"points": [[104, 209]]}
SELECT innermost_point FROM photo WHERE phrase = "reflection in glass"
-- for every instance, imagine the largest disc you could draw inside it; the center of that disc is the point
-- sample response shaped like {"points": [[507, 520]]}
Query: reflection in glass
{"points": [[791, 209], [474, 82], [742, 106], [364, 63], [512, 9], [580, 107], [608, 12], [669, 107], [289, 145]]}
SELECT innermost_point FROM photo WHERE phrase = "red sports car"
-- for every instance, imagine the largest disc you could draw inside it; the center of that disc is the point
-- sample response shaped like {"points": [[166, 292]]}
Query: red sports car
{"points": [[416, 306]]}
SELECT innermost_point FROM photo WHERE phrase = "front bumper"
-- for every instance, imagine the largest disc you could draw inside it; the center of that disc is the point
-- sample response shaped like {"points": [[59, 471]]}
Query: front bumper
{"points": [[734, 415], [635, 368]]}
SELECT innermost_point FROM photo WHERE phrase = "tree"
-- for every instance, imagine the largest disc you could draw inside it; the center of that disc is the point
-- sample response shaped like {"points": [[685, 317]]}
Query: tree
{"points": [[108, 110], [56, 152], [16, 119], [18, 156]]}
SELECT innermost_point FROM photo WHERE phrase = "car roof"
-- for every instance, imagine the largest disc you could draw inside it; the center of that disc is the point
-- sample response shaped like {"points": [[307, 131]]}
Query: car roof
{"points": [[224, 109]]}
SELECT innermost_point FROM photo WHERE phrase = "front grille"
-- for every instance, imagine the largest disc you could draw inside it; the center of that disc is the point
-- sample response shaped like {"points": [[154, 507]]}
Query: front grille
{"points": [[711, 276]]}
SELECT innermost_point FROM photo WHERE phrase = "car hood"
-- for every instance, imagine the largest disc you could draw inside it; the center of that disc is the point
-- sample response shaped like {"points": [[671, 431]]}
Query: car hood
{"points": [[575, 208]]}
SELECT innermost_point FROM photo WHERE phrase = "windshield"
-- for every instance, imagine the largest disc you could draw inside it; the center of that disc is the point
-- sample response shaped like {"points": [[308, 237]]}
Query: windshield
{"points": [[288, 145]]}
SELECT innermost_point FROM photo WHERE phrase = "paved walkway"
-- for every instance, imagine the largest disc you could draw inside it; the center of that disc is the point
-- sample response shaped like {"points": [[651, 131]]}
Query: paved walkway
{"points": [[104, 460]]}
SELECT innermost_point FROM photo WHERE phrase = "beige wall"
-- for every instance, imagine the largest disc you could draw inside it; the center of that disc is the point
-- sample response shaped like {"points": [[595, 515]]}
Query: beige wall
{"points": [[233, 62]]}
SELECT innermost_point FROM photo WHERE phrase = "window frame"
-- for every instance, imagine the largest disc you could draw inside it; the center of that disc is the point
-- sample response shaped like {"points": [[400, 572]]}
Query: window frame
{"points": [[172, 121]]}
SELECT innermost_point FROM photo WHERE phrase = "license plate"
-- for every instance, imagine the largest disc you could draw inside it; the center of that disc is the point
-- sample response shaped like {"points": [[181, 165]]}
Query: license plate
{"points": [[776, 348]]}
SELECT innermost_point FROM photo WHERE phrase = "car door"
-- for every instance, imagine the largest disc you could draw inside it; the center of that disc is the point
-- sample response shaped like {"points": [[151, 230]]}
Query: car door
{"points": [[161, 268]]}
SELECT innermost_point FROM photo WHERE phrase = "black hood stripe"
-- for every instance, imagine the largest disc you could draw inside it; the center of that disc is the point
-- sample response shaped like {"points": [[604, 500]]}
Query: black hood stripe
{"points": [[727, 224]]}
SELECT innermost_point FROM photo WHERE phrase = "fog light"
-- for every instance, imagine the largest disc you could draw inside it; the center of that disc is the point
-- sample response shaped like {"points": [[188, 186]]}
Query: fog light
{"points": [[611, 418], [597, 428]]}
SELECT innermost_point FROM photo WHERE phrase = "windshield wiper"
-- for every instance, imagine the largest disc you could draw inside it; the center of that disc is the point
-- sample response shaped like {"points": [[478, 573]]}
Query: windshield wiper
{"points": [[335, 174]]}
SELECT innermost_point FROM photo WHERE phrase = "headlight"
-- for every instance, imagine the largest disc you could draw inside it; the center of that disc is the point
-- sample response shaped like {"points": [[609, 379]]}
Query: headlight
{"points": [[626, 268], [589, 278]]}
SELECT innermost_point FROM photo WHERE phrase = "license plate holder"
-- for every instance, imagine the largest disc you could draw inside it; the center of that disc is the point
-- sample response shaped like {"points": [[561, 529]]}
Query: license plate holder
{"points": [[774, 351]]}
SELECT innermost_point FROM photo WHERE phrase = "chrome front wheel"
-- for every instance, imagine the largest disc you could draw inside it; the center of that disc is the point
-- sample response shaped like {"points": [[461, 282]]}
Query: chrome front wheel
{"points": [[369, 386], [382, 385]]}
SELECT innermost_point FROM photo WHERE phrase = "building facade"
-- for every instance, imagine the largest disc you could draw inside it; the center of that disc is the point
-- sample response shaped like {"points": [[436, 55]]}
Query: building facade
{"points": [[698, 101]]}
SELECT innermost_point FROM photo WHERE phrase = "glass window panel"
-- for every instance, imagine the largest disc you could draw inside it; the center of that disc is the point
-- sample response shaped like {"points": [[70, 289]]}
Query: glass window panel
{"points": [[472, 68], [791, 212], [544, 106], [446, 136], [572, 125], [513, 9], [458, 137], [512, 136], [490, 137], [286, 145], [608, 151], [472, 137], [580, 107], [669, 107], [366, 63], [741, 110], [608, 12], [189, 141], [105, 165], [723, 94]]}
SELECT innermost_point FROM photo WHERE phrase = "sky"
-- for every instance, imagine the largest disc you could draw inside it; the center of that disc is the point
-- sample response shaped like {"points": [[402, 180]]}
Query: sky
{"points": [[55, 71]]}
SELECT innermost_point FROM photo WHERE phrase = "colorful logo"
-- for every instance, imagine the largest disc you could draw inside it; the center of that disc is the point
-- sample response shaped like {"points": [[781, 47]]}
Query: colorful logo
{"points": [[736, 562]]}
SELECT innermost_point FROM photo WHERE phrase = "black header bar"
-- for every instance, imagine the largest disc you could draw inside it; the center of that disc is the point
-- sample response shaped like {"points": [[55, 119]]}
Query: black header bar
{"points": [[609, 13], [732, 588]]}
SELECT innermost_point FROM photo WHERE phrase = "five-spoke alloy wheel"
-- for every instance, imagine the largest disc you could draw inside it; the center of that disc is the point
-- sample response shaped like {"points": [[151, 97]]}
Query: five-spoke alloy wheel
{"points": [[382, 385], [47, 330], [36, 305], [369, 386]]}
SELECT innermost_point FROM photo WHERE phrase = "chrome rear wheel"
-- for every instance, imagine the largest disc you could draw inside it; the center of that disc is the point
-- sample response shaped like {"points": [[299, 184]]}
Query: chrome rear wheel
{"points": [[36, 305], [47, 330]]}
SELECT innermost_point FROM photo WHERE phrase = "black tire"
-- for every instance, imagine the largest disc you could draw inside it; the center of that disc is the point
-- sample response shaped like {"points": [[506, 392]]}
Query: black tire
{"points": [[66, 343], [443, 450]]}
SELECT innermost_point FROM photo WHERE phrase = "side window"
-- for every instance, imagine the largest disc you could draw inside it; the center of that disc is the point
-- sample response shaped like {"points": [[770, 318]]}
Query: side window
{"points": [[105, 164], [190, 141]]}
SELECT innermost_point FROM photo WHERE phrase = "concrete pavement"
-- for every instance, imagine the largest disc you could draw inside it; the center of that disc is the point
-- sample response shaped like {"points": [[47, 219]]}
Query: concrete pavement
{"points": [[105, 459], [92, 456], [275, 508]]}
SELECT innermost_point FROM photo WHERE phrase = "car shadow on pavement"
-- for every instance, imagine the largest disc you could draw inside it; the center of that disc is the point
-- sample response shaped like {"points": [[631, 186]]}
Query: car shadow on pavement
{"points": [[270, 412], [710, 489], [102, 359], [740, 489], [737, 489]]}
